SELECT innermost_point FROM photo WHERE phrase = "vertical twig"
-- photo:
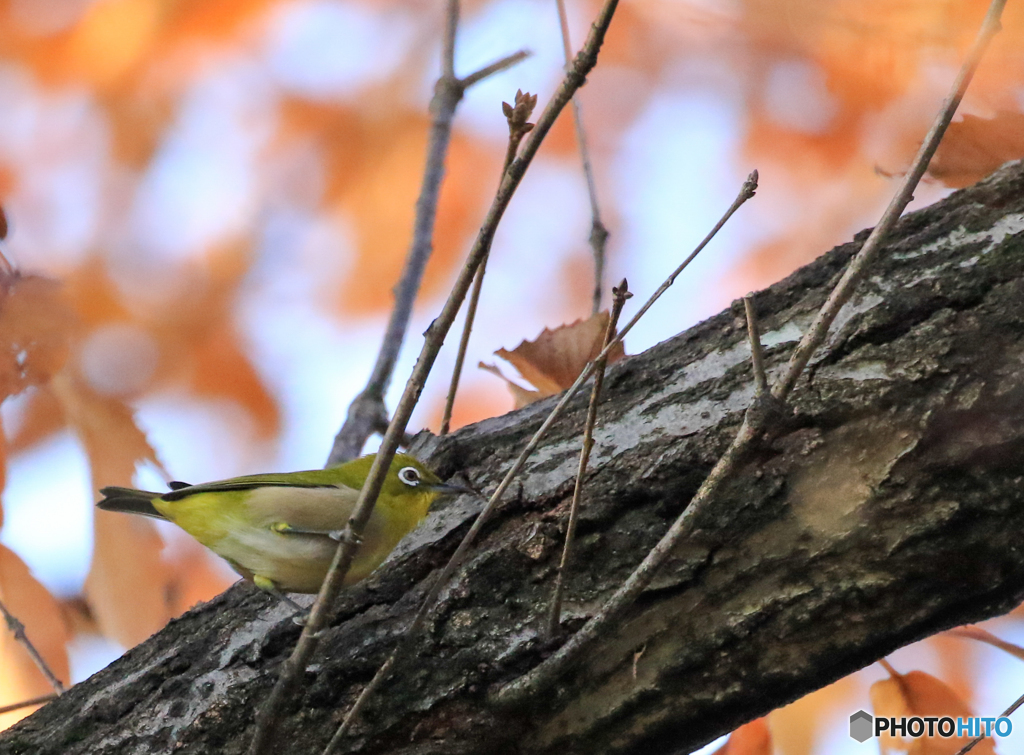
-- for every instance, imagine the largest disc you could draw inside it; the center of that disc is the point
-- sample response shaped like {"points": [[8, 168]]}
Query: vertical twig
{"points": [[756, 351], [518, 127], [404, 641], [619, 296], [18, 630], [754, 422], [270, 712], [451, 26], [367, 413], [598, 233]]}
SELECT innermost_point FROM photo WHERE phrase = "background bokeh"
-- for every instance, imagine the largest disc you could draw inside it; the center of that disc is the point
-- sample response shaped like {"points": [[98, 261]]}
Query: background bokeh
{"points": [[225, 190]]}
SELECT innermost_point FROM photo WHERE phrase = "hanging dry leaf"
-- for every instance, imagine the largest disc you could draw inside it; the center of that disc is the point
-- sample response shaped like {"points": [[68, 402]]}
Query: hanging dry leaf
{"points": [[553, 361], [752, 738], [974, 147], [921, 694], [31, 604], [522, 396]]}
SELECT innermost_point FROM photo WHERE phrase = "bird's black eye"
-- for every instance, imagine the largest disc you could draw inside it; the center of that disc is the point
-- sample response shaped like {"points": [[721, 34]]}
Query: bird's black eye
{"points": [[409, 475]]}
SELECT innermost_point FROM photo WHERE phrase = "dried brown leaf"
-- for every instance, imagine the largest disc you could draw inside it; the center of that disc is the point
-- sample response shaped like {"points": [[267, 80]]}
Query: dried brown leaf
{"points": [[553, 361], [521, 396], [974, 147]]}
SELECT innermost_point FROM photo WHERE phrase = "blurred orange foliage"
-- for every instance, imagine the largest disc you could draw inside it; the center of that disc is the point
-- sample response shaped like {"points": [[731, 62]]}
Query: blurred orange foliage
{"points": [[750, 739], [920, 694]]}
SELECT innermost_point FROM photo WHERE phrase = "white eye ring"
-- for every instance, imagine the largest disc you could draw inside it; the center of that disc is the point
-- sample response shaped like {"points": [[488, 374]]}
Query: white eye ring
{"points": [[409, 475]]}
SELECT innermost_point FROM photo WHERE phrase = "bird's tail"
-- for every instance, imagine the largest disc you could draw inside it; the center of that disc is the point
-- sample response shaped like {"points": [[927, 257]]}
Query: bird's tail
{"points": [[129, 501]]}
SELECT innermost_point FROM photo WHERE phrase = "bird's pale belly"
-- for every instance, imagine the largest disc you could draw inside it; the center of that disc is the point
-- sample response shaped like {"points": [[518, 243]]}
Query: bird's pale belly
{"points": [[295, 563]]}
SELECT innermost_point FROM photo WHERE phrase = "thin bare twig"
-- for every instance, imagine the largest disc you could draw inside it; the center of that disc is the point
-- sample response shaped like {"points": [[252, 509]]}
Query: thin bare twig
{"points": [[978, 634], [756, 351], [497, 66], [28, 703], [451, 26], [518, 127], [18, 630], [1005, 714], [756, 419], [619, 296], [291, 669], [460, 357], [749, 186], [598, 233], [367, 413], [884, 663]]}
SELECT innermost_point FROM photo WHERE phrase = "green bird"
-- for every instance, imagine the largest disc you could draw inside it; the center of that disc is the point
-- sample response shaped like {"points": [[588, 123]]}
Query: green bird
{"points": [[281, 530]]}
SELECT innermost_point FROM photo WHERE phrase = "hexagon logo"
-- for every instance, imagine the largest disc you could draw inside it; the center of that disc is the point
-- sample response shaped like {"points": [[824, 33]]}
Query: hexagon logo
{"points": [[861, 725]]}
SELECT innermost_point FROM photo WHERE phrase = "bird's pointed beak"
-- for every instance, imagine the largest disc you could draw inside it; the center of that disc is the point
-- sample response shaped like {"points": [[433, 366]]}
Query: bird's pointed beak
{"points": [[449, 488]]}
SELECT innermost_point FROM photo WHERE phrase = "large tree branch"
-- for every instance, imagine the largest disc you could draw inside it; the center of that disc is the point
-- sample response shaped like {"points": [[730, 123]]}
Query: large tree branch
{"points": [[890, 506]]}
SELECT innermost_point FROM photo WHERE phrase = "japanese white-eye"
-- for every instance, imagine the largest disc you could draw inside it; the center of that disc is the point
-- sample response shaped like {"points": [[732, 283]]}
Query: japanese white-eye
{"points": [[281, 530]]}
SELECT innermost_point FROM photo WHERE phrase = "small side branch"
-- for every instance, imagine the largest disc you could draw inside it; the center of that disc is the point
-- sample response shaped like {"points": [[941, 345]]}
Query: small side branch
{"points": [[29, 703], [451, 26], [496, 67], [756, 351], [517, 116], [598, 233], [619, 294], [367, 413], [18, 630], [754, 422]]}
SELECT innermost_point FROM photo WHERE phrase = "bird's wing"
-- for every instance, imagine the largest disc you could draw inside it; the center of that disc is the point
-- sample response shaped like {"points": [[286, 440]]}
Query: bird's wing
{"points": [[302, 510], [312, 479]]}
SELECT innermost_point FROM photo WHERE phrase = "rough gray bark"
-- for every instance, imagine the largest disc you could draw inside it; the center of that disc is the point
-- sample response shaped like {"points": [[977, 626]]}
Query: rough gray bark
{"points": [[890, 506]]}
